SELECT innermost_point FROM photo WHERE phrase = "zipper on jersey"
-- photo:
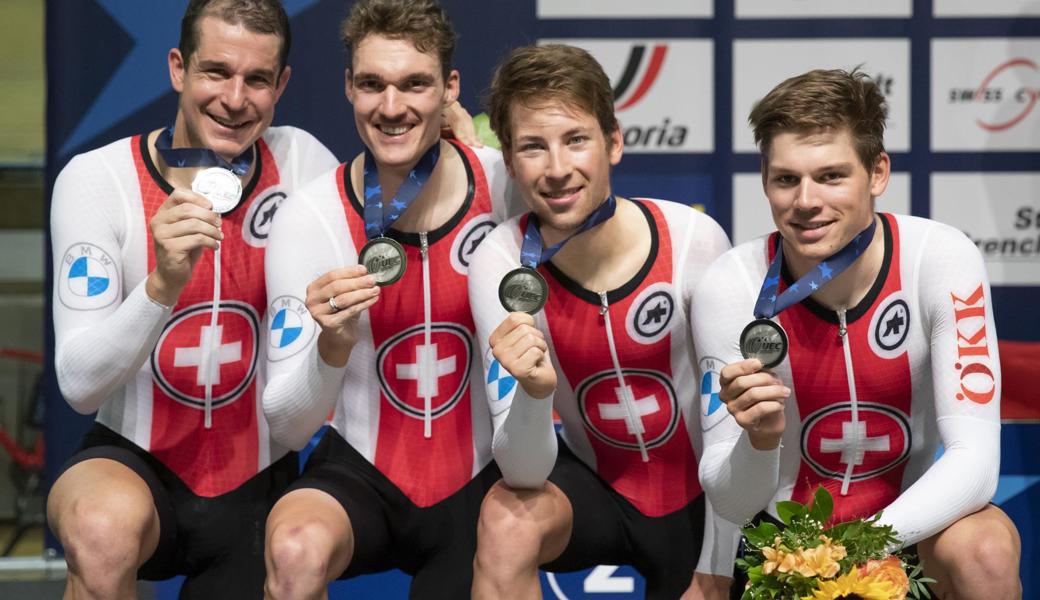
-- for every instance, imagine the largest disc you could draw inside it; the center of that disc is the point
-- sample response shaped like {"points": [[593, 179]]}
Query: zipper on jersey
{"points": [[209, 341], [632, 420], [427, 395], [856, 432]]}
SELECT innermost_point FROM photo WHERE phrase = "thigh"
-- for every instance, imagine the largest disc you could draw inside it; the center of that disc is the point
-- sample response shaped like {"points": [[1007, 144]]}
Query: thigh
{"points": [[110, 492], [667, 547]]}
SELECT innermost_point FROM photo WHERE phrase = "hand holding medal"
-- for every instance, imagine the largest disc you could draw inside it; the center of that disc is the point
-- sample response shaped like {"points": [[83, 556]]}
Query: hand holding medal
{"points": [[524, 289]]}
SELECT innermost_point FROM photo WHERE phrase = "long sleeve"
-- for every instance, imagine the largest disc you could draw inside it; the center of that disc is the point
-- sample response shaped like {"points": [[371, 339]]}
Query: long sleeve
{"points": [[103, 336], [524, 442], [957, 307]]}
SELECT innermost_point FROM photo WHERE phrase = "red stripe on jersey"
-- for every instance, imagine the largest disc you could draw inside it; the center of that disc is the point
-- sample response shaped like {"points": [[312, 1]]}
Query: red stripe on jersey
{"points": [[216, 460], [426, 470], [668, 481], [883, 391]]}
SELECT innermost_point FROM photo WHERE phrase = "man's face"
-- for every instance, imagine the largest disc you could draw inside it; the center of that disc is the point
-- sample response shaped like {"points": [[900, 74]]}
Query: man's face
{"points": [[820, 193], [398, 95], [228, 89], [561, 162]]}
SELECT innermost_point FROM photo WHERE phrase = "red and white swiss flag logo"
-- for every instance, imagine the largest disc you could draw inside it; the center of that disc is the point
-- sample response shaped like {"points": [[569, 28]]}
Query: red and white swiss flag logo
{"points": [[412, 368], [191, 353], [614, 413], [872, 441]]}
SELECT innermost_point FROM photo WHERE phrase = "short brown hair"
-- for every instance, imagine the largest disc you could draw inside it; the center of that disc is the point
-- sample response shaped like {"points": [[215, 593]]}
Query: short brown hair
{"points": [[258, 16], [533, 75], [820, 100], [422, 22]]}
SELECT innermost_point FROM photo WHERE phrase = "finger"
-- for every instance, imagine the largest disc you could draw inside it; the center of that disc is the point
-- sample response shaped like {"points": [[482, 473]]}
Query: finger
{"points": [[511, 322], [738, 386], [180, 211], [760, 414], [737, 369], [347, 300], [322, 288], [190, 243], [185, 228], [354, 311], [181, 196], [756, 395]]}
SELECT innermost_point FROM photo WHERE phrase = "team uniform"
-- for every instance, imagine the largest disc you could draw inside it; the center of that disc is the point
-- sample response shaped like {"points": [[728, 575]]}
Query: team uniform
{"points": [[624, 362], [413, 500], [139, 364], [917, 367]]}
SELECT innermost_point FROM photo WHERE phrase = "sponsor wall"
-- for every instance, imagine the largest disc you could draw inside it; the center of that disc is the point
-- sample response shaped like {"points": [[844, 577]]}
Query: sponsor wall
{"points": [[962, 78]]}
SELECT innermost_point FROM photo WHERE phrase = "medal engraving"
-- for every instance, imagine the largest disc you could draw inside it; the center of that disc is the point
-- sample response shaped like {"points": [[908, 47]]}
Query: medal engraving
{"points": [[385, 260], [765, 340], [220, 186], [523, 290]]}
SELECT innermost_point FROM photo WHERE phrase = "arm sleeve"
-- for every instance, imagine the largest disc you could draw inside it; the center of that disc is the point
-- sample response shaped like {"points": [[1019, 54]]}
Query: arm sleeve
{"points": [[103, 338], [524, 442], [310, 158], [301, 388], [956, 307], [738, 479], [719, 544]]}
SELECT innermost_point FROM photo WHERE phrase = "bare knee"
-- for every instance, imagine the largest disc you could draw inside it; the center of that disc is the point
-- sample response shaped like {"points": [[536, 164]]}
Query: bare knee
{"points": [[299, 555], [516, 530], [978, 558]]}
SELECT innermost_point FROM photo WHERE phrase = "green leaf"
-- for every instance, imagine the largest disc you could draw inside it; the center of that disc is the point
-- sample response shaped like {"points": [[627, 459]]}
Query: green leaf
{"points": [[761, 535], [788, 510], [822, 506]]}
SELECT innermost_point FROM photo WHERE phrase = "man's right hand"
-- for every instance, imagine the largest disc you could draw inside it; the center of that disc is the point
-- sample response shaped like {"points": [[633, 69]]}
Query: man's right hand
{"points": [[756, 399], [182, 227], [521, 348], [354, 290]]}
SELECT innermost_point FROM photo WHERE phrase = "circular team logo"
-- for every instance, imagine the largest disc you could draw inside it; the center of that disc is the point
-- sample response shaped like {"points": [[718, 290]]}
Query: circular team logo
{"points": [[873, 444], [654, 409], [652, 314], [410, 370], [466, 242], [290, 327], [178, 359], [260, 216], [89, 279], [889, 327], [712, 409]]}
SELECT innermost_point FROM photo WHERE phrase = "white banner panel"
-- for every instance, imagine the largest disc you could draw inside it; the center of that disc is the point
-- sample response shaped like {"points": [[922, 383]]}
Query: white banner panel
{"points": [[1000, 212], [759, 65], [989, 8], [808, 9], [984, 94], [612, 9], [752, 217], [663, 92]]}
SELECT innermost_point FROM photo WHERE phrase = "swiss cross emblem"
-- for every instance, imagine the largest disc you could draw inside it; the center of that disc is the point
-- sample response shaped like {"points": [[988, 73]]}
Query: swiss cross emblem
{"points": [[870, 441], [413, 368], [615, 412], [193, 353]]}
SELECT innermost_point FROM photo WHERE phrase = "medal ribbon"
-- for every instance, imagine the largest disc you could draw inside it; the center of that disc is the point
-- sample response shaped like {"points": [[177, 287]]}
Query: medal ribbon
{"points": [[770, 304], [200, 157], [376, 220], [532, 253]]}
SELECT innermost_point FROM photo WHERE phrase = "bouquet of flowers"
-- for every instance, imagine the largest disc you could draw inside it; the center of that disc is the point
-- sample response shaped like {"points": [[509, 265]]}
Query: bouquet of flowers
{"points": [[809, 561]]}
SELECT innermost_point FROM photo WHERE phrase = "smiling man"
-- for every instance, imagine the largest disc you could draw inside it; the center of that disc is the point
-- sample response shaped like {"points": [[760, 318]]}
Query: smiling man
{"points": [[854, 344], [608, 280], [381, 247], [178, 473]]}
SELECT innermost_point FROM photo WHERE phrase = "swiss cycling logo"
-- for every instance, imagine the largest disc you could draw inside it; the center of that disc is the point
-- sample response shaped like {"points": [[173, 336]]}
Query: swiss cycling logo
{"points": [[873, 440], [178, 363]]}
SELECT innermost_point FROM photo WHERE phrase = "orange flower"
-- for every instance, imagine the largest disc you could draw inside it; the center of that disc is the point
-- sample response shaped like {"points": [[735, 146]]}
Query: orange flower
{"points": [[891, 570], [821, 561], [777, 558]]}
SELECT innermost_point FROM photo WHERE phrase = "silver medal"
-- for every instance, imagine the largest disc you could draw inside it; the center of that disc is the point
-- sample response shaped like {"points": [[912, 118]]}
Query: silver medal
{"points": [[523, 290], [765, 340], [220, 186], [385, 260]]}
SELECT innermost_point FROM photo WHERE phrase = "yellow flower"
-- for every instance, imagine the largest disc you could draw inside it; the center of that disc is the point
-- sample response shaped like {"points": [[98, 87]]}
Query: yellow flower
{"points": [[890, 569], [852, 586]]}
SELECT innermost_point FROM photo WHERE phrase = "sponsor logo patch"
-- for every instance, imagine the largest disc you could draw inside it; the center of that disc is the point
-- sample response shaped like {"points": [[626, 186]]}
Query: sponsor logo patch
{"points": [[89, 279]]}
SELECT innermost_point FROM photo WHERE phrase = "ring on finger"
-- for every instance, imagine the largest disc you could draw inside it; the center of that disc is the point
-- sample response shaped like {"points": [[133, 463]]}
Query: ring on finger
{"points": [[333, 305]]}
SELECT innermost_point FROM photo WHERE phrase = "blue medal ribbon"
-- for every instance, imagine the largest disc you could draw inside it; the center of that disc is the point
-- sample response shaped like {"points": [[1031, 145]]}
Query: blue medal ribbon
{"points": [[377, 221], [200, 157], [770, 304], [532, 252]]}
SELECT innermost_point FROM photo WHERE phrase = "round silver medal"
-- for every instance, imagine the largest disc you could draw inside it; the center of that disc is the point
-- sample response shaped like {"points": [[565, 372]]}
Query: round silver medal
{"points": [[220, 186], [523, 290], [385, 260], [765, 340]]}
